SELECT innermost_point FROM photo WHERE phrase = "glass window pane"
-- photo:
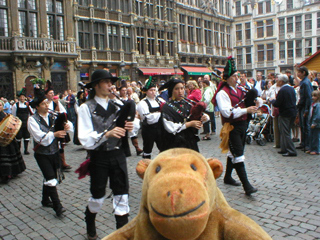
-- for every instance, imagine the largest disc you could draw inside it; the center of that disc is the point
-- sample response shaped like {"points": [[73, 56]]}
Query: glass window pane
{"points": [[49, 6], [59, 8], [3, 3], [22, 23], [22, 4], [3, 23]]}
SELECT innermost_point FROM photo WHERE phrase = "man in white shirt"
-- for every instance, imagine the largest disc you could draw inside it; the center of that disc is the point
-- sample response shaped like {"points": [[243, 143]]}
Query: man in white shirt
{"points": [[98, 133], [259, 84]]}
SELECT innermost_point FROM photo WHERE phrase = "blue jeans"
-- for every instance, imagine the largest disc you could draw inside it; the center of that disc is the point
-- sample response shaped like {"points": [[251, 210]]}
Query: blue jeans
{"points": [[305, 130], [315, 140], [212, 120]]}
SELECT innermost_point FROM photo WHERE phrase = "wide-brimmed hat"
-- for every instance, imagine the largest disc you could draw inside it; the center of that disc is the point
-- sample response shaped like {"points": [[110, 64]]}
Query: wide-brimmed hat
{"points": [[99, 75], [39, 96], [230, 68], [150, 83], [170, 85]]}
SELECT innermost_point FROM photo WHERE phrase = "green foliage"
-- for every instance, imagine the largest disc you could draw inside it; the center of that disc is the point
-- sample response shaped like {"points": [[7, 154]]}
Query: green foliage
{"points": [[38, 81]]}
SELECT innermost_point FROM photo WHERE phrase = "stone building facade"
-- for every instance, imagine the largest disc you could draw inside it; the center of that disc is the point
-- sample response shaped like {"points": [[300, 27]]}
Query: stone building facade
{"points": [[36, 40]]}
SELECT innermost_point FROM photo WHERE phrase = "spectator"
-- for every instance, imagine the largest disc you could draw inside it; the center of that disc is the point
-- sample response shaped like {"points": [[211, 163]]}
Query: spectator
{"points": [[71, 100], [7, 106], [286, 102], [259, 84], [194, 91], [314, 117], [289, 74], [244, 81], [296, 126], [266, 93], [206, 98], [132, 95], [304, 106], [274, 89], [312, 77]]}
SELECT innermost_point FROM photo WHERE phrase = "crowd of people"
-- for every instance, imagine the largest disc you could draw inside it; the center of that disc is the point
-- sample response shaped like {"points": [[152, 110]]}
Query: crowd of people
{"points": [[168, 114]]}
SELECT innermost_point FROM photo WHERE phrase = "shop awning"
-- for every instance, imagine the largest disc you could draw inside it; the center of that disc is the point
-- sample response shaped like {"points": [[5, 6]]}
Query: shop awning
{"points": [[160, 71], [200, 71]]}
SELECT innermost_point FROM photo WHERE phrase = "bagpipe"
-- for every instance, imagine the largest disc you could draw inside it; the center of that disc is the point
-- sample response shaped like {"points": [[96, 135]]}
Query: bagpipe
{"points": [[197, 109], [250, 96]]}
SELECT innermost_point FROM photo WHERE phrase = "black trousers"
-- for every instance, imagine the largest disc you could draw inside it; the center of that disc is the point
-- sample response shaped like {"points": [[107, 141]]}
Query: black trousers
{"points": [[151, 135], [23, 133], [237, 138], [108, 165], [49, 165]]}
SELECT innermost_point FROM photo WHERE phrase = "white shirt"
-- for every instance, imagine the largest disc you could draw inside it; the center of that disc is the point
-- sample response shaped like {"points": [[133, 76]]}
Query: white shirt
{"points": [[21, 105], [258, 87], [143, 110], [38, 134], [61, 107], [89, 138], [225, 106]]}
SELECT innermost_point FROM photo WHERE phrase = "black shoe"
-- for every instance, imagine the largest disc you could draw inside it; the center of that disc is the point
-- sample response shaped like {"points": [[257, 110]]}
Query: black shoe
{"points": [[250, 191], [231, 182], [26, 152], [282, 152], [300, 147], [59, 211], [66, 168], [47, 204], [92, 238], [289, 155]]}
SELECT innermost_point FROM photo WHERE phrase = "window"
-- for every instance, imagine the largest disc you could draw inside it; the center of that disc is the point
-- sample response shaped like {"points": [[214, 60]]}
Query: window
{"points": [[269, 26], [160, 9], [308, 46], [260, 8], [248, 30], [126, 38], [318, 19], [112, 5], [308, 22], [124, 6], [290, 49], [98, 3], [268, 6], [289, 24], [170, 10], [84, 34], [139, 7], [84, 3], [113, 32], [298, 48], [270, 52], [227, 8], [151, 41], [239, 32], [260, 51], [170, 43], [222, 34], [207, 33], [228, 37], [281, 26], [28, 18], [246, 9], [161, 42], [216, 34], [238, 8], [140, 40], [149, 5], [248, 55], [221, 8], [289, 4], [198, 30], [239, 57], [182, 19], [3, 19], [298, 24], [282, 50], [318, 43], [55, 19], [99, 35], [260, 29], [190, 29]]}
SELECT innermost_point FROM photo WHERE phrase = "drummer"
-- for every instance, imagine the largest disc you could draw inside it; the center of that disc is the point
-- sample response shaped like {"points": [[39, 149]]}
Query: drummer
{"points": [[22, 110]]}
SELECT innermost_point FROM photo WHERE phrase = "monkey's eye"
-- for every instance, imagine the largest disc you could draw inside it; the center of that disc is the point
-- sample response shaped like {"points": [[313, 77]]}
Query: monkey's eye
{"points": [[158, 169], [194, 168]]}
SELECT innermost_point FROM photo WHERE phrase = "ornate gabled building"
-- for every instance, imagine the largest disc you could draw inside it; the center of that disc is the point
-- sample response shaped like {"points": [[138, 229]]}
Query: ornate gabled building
{"points": [[36, 40]]}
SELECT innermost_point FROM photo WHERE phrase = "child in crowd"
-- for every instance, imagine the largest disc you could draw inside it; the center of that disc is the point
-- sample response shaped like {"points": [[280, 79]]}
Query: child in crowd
{"points": [[314, 118], [256, 123]]}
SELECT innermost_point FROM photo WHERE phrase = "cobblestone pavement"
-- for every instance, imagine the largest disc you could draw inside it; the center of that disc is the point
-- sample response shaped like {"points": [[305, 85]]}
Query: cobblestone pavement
{"points": [[287, 204]]}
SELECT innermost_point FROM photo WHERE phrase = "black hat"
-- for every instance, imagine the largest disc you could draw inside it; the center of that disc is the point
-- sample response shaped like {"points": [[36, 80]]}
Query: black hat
{"points": [[229, 69], [100, 74], [22, 92], [48, 87], [150, 83], [170, 85], [39, 96]]}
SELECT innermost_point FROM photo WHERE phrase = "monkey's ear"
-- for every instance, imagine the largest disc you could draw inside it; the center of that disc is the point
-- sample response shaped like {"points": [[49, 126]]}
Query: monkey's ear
{"points": [[142, 167], [216, 167]]}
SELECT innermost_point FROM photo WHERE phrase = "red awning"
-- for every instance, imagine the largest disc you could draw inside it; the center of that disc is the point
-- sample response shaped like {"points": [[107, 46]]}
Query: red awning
{"points": [[160, 71], [197, 70]]}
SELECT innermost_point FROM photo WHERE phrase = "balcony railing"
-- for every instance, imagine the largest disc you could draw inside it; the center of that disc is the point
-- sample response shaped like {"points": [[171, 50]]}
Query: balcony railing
{"points": [[36, 45]]}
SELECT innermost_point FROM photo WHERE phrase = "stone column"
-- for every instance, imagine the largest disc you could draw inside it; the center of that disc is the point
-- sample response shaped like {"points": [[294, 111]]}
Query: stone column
{"points": [[42, 24]]}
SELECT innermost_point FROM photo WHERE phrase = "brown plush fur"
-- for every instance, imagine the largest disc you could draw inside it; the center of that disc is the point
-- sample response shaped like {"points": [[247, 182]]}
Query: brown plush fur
{"points": [[181, 201]]}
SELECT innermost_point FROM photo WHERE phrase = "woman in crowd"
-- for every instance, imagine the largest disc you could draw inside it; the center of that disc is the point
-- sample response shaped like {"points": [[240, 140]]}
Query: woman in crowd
{"points": [[11, 161], [179, 131], [194, 91], [296, 126], [266, 93]]}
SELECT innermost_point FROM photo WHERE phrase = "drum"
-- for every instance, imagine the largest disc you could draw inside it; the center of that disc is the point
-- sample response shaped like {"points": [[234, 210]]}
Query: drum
{"points": [[9, 128]]}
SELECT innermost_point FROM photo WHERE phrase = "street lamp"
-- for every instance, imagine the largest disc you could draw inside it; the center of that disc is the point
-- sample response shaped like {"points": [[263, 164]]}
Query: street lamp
{"points": [[122, 67], [175, 67]]}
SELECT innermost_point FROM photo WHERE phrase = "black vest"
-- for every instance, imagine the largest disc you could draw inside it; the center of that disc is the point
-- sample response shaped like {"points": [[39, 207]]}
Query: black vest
{"points": [[102, 120], [23, 114], [151, 110], [53, 147]]}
